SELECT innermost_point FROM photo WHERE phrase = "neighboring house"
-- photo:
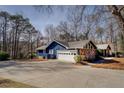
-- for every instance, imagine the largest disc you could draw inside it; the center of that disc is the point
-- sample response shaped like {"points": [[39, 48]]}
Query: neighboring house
{"points": [[67, 50], [104, 49]]}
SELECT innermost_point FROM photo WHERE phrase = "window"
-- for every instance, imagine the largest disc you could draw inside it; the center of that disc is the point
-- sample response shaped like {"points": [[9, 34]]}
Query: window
{"points": [[51, 51], [74, 53]]}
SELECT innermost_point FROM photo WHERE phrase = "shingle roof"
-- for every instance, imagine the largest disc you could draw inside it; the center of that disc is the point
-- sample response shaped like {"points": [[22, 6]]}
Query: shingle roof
{"points": [[63, 43], [75, 44], [78, 44], [102, 46], [42, 47]]}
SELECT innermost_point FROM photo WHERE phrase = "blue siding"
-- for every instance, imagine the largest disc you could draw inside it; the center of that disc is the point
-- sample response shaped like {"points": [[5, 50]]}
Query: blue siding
{"points": [[39, 53], [42, 53], [54, 46]]}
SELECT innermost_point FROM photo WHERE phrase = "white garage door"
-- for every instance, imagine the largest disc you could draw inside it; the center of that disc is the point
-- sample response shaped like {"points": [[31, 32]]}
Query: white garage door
{"points": [[66, 55]]}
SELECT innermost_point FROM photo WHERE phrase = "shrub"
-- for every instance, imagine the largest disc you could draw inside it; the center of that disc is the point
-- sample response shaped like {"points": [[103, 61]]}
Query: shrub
{"points": [[99, 52], [119, 54], [83, 57], [98, 57], [78, 58], [4, 56], [33, 55]]}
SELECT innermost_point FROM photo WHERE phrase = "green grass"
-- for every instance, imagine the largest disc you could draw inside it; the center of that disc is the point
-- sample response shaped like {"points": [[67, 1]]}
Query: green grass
{"points": [[6, 83]]}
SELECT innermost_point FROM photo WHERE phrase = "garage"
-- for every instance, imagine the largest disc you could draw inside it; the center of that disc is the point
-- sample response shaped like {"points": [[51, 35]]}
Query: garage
{"points": [[67, 55]]}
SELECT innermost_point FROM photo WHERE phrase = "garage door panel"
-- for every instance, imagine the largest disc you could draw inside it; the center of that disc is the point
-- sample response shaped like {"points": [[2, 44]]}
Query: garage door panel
{"points": [[67, 56]]}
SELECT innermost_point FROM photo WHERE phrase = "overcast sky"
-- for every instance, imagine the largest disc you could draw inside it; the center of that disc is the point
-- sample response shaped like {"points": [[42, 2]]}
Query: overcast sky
{"points": [[38, 19]]}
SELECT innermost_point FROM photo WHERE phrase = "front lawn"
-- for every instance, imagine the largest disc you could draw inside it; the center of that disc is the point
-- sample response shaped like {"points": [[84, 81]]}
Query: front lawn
{"points": [[115, 63], [6, 83]]}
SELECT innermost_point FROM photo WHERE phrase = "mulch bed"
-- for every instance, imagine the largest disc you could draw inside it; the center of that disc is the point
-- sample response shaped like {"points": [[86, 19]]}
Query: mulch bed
{"points": [[116, 63]]}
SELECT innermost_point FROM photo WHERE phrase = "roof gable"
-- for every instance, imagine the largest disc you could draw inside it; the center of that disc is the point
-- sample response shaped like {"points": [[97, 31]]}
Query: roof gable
{"points": [[103, 46], [41, 48], [65, 44], [56, 43], [80, 44], [77, 44]]}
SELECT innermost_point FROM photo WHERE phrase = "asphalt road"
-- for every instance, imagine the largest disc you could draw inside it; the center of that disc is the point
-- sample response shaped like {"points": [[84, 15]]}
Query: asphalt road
{"points": [[62, 75]]}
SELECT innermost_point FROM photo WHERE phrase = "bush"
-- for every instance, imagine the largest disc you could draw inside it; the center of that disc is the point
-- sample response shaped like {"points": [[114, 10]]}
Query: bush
{"points": [[83, 57], [78, 58], [120, 54], [4, 56], [98, 57], [99, 52], [33, 55]]}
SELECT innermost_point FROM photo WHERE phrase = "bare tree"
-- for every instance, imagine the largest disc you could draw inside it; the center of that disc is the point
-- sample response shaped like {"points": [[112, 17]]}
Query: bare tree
{"points": [[50, 32], [4, 17], [75, 19], [118, 12], [18, 26], [100, 32], [65, 32]]}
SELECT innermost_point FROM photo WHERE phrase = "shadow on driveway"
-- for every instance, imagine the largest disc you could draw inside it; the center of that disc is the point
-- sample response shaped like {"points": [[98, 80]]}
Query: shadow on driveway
{"points": [[4, 64]]}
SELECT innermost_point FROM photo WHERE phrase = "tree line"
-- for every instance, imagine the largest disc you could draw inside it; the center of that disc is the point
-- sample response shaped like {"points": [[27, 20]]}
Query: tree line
{"points": [[18, 37], [101, 24]]}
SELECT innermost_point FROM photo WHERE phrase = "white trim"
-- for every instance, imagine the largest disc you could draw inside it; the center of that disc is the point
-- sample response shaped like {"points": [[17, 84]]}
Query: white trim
{"points": [[51, 51]]}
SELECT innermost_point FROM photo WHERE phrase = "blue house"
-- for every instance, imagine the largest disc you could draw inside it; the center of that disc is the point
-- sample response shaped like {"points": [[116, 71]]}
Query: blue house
{"points": [[50, 50], [67, 50]]}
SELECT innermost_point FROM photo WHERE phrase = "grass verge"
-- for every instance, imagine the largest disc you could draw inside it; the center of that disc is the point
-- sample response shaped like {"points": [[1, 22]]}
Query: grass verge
{"points": [[6, 83]]}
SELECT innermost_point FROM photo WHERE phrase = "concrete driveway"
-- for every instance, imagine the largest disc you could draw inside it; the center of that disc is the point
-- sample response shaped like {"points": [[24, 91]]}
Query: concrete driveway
{"points": [[59, 74]]}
